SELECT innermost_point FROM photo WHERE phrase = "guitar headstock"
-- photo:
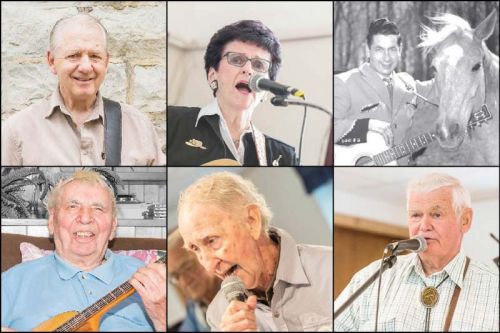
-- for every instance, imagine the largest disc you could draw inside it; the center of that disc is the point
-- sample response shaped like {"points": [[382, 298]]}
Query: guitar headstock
{"points": [[479, 117]]}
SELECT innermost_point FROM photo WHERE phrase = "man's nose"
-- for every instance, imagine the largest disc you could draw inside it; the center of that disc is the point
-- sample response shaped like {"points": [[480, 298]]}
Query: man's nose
{"points": [[85, 64], [85, 215], [426, 223]]}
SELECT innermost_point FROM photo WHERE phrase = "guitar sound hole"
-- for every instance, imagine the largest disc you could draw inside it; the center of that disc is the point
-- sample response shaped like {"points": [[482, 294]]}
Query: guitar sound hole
{"points": [[365, 161]]}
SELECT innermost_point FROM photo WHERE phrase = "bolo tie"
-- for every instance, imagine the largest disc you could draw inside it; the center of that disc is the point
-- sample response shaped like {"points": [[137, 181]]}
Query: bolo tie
{"points": [[429, 298]]}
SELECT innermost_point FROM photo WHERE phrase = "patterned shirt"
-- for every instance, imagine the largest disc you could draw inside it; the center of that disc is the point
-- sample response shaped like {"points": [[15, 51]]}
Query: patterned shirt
{"points": [[400, 308]]}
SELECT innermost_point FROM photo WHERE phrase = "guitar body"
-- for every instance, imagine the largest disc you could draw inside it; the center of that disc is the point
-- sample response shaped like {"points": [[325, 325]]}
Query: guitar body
{"points": [[50, 325], [361, 154]]}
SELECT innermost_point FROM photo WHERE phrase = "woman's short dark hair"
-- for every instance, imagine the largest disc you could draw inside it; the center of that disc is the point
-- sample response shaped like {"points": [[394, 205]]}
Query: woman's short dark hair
{"points": [[382, 27], [247, 31]]}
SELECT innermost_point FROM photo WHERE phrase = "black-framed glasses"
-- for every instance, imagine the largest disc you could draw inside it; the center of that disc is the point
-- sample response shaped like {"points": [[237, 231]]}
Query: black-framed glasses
{"points": [[239, 60]]}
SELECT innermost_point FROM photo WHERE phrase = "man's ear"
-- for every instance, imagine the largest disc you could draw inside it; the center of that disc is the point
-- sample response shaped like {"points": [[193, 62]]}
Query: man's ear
{"points": [[466, 219], [254, 220], [113, 229], [50, 222], [50, 61]]}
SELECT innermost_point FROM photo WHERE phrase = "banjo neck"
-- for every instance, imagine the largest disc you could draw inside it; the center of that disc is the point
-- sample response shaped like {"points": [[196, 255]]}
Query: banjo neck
{"points": [[102, 305]]}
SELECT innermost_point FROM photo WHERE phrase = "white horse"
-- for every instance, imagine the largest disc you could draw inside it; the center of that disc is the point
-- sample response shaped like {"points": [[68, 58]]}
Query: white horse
{"points": [[466, 79]]}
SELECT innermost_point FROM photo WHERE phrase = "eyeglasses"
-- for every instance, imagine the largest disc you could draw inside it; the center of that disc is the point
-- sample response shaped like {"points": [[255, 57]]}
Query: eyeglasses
{"points": [[239, 60], [187, 267]]}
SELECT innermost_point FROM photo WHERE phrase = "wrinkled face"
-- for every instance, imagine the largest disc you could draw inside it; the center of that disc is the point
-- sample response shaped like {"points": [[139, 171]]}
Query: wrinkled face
{"points": [[384, 54], [460, 80], [80, 60], [192, 278], [222, 242], [230, 76], [82, 222], [432, 216]]}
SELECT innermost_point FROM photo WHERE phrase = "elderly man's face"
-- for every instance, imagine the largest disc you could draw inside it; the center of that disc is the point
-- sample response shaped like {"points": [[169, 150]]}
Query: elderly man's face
{"points": [[222, 242], [82, 222], [79, 60], [432, 216]]}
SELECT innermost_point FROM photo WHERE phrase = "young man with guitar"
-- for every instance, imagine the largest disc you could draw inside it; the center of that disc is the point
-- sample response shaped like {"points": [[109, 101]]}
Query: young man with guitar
{"points": [[83, 274], [373, 101]]}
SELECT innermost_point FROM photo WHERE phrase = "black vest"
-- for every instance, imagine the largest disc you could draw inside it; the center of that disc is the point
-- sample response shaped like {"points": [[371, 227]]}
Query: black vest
{"points": [[188, 145]]}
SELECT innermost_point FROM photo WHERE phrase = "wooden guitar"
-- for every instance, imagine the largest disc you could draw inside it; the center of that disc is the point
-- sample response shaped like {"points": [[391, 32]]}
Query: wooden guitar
{"points": [[88, 319], [376, 152], [222, 162]]}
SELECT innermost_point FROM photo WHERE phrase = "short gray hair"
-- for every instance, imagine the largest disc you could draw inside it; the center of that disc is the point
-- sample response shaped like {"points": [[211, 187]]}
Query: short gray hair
{"points": [[84, 176], [432, 181], [227, 191], [79, 17]]}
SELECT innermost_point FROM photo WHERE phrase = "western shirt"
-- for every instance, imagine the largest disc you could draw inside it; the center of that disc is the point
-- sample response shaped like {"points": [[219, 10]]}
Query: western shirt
{"points": [[35, 291], [45, 134], [400, 308]]}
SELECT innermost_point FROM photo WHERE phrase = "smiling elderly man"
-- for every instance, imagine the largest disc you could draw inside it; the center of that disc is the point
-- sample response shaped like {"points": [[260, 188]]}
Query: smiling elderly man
{"points": [[439, 289], [225, 222], [76, 126], [82, 269]]}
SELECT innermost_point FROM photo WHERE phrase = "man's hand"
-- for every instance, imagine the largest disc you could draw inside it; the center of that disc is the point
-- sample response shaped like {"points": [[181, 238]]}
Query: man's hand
{"points": [[383, 129], [151, 284], [240, 317]]}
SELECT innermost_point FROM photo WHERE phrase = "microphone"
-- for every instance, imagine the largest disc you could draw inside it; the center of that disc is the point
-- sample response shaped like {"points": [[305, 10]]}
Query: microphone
{"points": [[416, 244], [233, 289], [259, 83]]}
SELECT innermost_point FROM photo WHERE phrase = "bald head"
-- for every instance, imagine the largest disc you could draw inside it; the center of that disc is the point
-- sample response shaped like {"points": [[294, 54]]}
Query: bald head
{"points": [[82, 21]]}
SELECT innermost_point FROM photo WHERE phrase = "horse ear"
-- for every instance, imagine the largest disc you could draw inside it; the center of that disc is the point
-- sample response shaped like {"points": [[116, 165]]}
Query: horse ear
{"points": [[486, 28]]}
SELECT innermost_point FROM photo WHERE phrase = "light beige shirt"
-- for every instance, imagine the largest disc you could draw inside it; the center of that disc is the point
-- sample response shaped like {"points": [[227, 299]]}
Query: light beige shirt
{"points": [[302, 292], [45, 134]]}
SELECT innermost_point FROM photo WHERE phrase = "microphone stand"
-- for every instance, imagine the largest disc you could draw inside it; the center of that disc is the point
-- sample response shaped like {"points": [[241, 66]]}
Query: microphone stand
{"points": [[387, 263], [281, 100]]}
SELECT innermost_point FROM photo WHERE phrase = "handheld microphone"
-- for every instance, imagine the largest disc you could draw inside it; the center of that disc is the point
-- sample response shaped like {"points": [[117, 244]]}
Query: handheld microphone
{"points": [[234, 289], [416, 244], [259, 83]]}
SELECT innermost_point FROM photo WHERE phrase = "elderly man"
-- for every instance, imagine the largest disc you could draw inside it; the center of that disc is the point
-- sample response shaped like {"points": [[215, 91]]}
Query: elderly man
{"points": [[76, 125], [200, 288], [439, 289], [224, 220], [82, 269]]}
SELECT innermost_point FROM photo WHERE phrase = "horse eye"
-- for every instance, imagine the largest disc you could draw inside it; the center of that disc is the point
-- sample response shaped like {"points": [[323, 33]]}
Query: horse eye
{"points": [[433, 71], [476, 67]]}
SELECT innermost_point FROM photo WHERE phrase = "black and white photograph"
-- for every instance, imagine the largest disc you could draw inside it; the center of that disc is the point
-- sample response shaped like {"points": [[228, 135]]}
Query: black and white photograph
{"points": [[416, 83]]}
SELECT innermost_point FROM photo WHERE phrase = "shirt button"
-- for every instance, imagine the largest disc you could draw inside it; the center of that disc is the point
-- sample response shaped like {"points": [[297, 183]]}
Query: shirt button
{"points": [[83, 277], [90, 292], [276, 315]]}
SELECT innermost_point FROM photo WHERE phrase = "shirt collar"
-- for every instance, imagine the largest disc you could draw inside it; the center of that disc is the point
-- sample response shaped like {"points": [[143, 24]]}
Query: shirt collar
{"points": [[57, 103], [454, 268], [103, 272], [209, 110], [290, 268]]}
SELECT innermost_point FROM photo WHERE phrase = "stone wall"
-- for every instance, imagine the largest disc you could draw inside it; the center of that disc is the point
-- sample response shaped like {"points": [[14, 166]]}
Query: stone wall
{"points": [[137, 45]]}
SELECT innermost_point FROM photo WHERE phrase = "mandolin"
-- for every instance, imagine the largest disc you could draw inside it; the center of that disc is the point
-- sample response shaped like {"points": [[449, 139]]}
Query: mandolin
{"points": [[88, 319]]}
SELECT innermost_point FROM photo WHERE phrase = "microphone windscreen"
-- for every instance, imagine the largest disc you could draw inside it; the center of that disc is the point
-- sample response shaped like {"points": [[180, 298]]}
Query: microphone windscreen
{"points": [[233, 289], [253, 83], [423, 243]]}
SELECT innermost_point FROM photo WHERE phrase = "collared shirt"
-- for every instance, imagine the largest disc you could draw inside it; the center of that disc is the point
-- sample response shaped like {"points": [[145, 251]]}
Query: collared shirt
{"points": [[45, 134], [213, 108], [38, 290], [400, 308], [302, 292]]}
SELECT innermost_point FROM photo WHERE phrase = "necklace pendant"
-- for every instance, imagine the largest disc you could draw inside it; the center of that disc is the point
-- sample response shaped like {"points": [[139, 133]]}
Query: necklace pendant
{"points": [[429, 297]]}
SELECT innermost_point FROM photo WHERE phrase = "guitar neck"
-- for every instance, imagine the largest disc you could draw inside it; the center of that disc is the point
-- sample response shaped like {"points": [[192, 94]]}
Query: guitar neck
{"points": [[108, 301], [404, 149]]}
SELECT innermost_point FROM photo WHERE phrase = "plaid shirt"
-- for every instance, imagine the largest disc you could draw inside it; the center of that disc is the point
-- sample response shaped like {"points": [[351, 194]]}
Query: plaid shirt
{"points": [[400, 308]]}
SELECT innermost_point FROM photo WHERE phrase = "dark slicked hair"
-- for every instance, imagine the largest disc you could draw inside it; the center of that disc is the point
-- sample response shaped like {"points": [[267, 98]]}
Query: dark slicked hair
{"points": [[247, 31], [382, 27]]}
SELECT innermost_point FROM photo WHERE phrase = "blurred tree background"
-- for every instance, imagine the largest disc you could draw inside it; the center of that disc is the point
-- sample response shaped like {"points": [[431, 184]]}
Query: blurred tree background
{"points": [[352, 19]]}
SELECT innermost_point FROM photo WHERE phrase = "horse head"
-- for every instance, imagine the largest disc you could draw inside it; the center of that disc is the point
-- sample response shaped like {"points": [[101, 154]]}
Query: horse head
{"points": [[458, 58]]}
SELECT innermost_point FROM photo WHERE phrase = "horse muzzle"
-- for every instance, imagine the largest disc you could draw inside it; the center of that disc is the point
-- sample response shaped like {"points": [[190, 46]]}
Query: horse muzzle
{"points": [[450, 138]]}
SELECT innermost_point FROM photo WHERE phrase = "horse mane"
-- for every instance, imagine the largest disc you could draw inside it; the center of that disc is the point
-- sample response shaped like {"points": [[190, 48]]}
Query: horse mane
{"points": [[452, 24]]}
